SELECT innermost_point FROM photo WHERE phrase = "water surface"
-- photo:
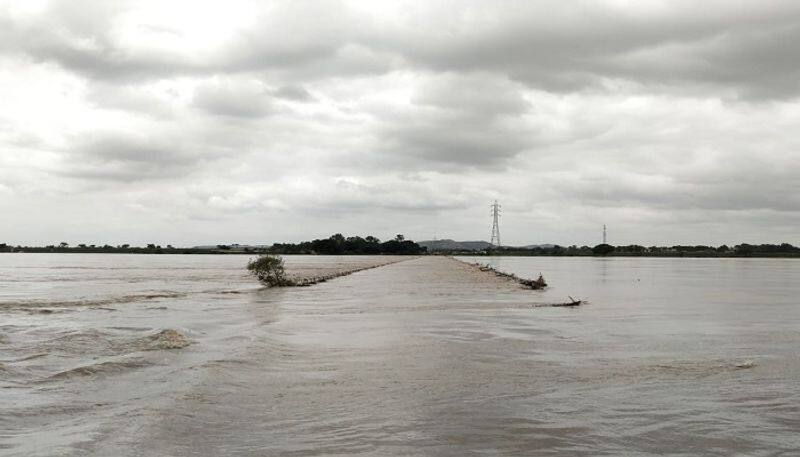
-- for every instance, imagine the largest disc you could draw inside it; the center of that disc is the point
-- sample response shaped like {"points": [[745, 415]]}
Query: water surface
{"points": [[422, 357]]}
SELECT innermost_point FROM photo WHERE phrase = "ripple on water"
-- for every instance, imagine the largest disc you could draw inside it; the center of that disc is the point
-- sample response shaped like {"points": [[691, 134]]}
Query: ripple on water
{"points": [[99, 369], [75, 354], [44, 306]]}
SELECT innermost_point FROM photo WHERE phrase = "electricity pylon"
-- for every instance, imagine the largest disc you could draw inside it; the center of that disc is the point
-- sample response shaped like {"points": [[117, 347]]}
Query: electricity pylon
{"points": [[495, 241]]}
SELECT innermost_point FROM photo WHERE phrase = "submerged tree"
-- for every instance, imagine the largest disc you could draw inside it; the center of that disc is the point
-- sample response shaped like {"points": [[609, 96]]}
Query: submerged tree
{"points": [[269, 270]]}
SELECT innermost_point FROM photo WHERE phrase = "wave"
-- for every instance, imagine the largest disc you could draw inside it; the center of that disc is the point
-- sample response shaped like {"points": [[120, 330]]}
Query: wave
{"points": [[162, 340], [98, 369], [26, 357], [165, 339], [112, 343], [693, 368], [99, 302]]}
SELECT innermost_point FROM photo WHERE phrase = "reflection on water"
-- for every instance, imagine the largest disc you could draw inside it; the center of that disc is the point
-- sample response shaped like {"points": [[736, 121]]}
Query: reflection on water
{"points": [[603, 269], [422, 357]]}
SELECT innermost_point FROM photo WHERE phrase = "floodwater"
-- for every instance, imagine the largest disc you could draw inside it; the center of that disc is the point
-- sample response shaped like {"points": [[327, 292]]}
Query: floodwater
{"points": [[185, 355]]}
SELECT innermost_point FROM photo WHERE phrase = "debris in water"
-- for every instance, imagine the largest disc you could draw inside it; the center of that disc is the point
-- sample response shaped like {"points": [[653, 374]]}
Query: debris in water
{"points": [[746, 364], [535, 284], [570, 303], [538, 283]]}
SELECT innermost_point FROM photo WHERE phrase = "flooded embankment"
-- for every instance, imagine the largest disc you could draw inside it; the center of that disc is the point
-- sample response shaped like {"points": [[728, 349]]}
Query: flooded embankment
{"points": [[308, 274], [428, 356]]}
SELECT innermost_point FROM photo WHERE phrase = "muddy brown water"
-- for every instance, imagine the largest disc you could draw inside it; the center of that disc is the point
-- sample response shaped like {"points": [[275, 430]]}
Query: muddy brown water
{"points": [[184, 356]]}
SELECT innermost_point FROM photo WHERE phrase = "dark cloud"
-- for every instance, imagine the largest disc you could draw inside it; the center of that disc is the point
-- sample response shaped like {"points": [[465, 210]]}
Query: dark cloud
{"points": [[247, 99], [125, 157], [294, 93], [555, 46], [79, 36], [458, 121], [668, 194], [567, 47]]}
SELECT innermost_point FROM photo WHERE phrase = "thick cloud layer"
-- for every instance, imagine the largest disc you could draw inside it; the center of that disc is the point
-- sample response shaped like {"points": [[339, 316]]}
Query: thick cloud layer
{"points": [[193, 122]]}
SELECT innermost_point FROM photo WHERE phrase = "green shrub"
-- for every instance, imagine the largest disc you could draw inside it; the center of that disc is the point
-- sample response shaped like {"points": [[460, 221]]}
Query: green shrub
{"points": [[269, 270]]}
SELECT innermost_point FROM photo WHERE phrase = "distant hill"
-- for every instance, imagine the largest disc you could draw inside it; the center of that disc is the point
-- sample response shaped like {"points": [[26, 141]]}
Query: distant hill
{"points": [[451, 245], [233, 247]]}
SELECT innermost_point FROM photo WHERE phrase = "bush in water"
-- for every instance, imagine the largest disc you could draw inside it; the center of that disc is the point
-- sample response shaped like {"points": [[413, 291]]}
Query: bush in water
{"points": [[269, 270]]}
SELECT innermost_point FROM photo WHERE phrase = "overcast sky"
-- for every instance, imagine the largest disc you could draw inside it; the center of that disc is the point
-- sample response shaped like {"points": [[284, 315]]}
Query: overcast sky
{"points": [[190, 122]]}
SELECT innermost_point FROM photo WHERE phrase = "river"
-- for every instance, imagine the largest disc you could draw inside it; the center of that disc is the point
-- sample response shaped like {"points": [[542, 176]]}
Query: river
{"points": [[186, 355]]}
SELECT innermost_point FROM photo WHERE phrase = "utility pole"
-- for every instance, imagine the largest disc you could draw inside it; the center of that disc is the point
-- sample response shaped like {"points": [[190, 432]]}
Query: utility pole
{"points": [[604, 234], [495, 241]]}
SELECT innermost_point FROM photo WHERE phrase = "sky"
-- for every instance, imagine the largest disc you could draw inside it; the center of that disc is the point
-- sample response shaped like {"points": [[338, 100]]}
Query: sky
{"points": [[253, 122]]}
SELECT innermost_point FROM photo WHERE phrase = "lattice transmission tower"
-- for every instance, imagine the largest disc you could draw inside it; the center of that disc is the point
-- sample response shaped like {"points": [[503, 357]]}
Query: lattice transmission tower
{"points": [[495, 241]]}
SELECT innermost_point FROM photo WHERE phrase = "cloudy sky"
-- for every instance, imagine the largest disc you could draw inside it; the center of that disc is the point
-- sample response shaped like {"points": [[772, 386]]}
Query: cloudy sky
{"points": [[191, 122]]}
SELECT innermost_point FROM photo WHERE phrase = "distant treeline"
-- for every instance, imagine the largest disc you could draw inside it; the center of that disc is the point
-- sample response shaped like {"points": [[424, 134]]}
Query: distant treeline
{"points": [[334, 245], [128, 249], [339, 245], [634, 250], [355, 245]]}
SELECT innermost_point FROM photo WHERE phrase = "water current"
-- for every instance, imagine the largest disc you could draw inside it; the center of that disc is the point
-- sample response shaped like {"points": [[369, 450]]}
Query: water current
{"points": [[186, 355]]}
